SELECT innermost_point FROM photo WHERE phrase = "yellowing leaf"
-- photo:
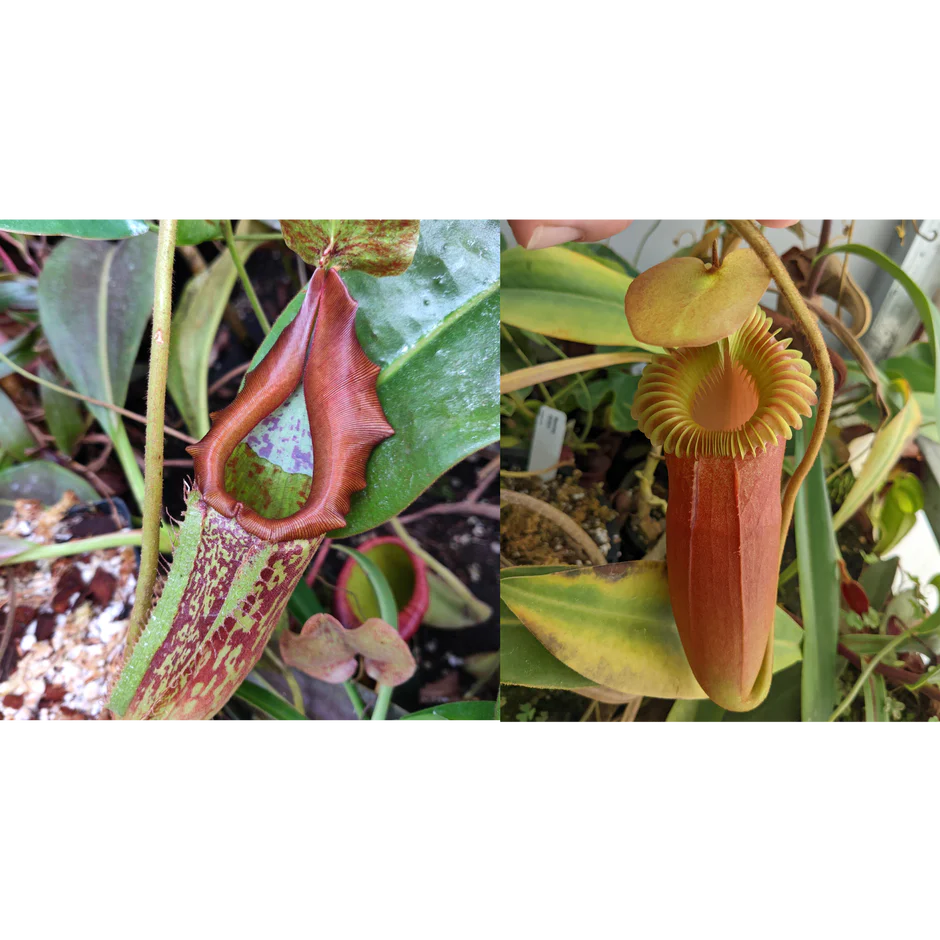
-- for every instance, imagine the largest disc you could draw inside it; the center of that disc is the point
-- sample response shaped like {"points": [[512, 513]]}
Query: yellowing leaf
{"points": [[885, 453]]}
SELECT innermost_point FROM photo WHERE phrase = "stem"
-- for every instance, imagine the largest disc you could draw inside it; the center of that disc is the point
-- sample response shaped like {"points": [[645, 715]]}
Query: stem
{"points": [[643, 241], [355, 698], [153, 453], [867, 671], [80, 546], [172, 432], [547, 371], [382, 701], [243, 274], [816, 274], [750, 233]]}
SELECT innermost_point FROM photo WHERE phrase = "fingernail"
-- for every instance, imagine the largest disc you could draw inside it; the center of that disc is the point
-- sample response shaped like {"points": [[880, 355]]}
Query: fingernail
{"points": [[547, 236]]}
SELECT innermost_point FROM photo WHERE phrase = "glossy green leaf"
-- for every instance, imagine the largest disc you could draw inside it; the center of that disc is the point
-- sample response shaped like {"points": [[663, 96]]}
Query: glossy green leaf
{"points": [[42, 480], [922, 303], [434, 331], [197, 231], [566, 294], [885, 452], [455, 711], [15, 436], [63, 413], [614, 625], [380, 247], [816, 553], [194, 327], [77, 228], [94, 303]]}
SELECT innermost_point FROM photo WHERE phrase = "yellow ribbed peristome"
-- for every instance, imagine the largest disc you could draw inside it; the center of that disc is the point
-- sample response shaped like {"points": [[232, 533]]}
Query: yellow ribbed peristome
{"points": [[672, 386]]}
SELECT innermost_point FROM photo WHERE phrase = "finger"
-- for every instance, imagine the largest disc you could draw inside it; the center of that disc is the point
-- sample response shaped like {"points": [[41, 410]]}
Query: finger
{"points": [[778, 223], [546, 233]]}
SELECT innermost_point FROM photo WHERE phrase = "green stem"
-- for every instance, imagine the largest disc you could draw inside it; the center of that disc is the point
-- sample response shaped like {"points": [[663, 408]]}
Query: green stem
{"points": [[80, 546], [868, 670], [382, 701], [388, 611], [268, 702], [152, 504], [355, 698], [226, 225], [117, 409]]}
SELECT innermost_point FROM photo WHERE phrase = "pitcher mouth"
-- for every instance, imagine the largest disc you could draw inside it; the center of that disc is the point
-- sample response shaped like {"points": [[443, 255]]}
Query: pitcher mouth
{"points": [[733, 398]]}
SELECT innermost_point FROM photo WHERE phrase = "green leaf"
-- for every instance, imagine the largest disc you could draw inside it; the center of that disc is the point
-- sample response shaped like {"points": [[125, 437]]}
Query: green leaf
{"points": [[11, 547], [452, 605], [566, 294], [898, 512], [524, 661], [387, 608], [614, 625], [696, 709], [885, 452], [267, 702], [63, 413], [877, 580], [876, 698], [924, 306], [620, 387], [21, 350], [781, 708], [434, 330], [782, 702], [77, 228], [816, 554], [380, 247], [15, 436], [455, 711], [94, 303], [17, 292], [606, 255], [197, 231], [195, 324], [303, 603], [42, 480]]}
